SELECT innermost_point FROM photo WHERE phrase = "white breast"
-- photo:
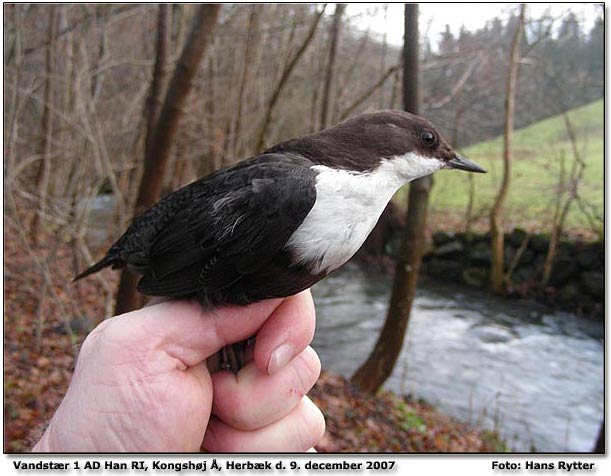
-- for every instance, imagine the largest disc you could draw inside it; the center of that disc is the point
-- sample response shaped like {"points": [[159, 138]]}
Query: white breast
{"points": [[347, 207]]}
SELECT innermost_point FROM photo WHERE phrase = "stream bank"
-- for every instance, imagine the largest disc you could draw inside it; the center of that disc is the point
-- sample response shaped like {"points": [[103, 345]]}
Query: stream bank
{"points": [[577, 279]]}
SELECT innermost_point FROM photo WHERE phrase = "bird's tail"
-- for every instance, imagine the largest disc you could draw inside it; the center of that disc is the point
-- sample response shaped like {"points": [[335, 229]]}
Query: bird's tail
{"points": [[108, 260]]}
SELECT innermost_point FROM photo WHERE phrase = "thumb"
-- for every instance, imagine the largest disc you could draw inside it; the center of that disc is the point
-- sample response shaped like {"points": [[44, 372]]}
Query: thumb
{"points": [[187, 332]]}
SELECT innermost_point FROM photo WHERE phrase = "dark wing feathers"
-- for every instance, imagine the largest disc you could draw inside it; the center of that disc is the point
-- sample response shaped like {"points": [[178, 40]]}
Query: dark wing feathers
{"points": [[172, 262], [188, 278], [233, 224]]}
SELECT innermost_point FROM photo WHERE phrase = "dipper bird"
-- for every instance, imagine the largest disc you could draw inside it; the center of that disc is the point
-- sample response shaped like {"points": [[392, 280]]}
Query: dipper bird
{"points": [[275, 224]]}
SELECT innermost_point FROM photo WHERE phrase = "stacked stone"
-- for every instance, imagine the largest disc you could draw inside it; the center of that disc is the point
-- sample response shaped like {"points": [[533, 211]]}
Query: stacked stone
{"points": [[576, 282]]}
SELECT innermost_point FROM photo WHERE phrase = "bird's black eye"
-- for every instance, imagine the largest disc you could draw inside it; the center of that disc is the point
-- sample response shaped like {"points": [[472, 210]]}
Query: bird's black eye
{"points": [[427, 138]]}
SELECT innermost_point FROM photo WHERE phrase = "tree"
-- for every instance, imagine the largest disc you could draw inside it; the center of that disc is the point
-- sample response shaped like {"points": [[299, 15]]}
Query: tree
{"points": [[158, 148], [447, 42], [333, 40], [380, 363], [496, 217], [568, 192], [251, 38], [155, 98], [599, 446], [44, 169]]}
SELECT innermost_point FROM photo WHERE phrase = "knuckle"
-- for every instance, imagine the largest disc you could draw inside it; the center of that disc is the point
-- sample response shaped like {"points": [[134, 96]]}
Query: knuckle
{"points": [[311, 427], [234, 406], [313, 364], [95, 336], [319, 425], [219, 332], [306, 372], [238, 415]]}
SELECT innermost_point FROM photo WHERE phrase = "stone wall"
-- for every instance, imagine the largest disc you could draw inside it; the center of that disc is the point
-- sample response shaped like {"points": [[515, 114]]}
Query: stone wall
{"points": [[577, 281]]}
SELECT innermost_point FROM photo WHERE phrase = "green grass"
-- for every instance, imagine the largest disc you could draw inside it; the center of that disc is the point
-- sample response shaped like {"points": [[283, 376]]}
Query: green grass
{"points": [[537, 149]]}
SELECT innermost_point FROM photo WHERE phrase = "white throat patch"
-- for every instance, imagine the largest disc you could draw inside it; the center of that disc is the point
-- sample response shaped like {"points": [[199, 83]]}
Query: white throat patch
{"points": [[348, 205]]}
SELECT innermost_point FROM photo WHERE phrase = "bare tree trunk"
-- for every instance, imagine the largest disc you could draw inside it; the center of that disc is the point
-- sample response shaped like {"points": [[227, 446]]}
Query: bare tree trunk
{"points": [[333, 40], [179, 26], [381, 101], [72, 178], [213, 150], [380, 363], [155, 98], [284, 78], [127, 297], [14, 107], [599, 446], [178, 90], [158, 153], [67, 68], [253, 20], [230, 109], [496, 218], [44, 168], [318, 65], [97, 78]]}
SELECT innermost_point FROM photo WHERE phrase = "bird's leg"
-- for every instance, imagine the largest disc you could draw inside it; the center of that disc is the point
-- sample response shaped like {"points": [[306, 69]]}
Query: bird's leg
{"points": [[224, 363], [239, 353], [234, 356], [229, 359]]}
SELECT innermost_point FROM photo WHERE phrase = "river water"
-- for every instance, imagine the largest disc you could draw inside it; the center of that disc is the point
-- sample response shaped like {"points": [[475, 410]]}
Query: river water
{"points": [[534, 375]]}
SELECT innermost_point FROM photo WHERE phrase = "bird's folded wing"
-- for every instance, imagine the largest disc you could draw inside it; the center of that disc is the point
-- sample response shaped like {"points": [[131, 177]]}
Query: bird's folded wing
{"points": [[218, 238]]}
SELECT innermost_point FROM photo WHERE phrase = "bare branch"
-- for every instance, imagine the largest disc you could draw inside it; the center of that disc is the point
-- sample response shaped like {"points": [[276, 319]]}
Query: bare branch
{"points": [[363, 97]]}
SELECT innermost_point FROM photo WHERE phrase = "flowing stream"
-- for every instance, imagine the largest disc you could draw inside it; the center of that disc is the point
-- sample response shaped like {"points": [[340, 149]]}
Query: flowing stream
{"points": [[534, 375]]}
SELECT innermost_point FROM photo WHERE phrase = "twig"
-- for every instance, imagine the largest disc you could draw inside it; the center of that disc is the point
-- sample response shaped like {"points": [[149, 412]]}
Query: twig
{"points": [[516, 259], [363, 97], [40, 316], [459, 84]]}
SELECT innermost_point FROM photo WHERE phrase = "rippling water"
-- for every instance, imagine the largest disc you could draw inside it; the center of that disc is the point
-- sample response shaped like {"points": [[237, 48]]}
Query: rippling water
{"points": [[534, 375]]}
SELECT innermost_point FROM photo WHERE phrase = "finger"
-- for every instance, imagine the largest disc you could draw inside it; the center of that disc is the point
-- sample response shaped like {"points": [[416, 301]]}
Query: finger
{"points": [[286, 333], [299, 431], [187, 332], [254, 399]]}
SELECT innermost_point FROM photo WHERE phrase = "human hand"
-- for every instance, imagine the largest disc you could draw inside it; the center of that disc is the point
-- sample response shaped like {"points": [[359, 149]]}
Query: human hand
{"points": [[141, 383]]}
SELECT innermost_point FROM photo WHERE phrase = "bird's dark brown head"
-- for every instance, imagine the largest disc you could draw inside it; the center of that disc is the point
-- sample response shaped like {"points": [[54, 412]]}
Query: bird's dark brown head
{"points": [[362, 142]]}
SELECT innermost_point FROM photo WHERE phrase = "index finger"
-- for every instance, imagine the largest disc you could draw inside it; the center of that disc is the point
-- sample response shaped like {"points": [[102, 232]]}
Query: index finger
{"points": [[287, 332]]}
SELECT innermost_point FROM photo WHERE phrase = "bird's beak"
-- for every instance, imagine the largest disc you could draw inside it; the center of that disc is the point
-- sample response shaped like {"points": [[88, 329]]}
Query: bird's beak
{"points": [[462, 163]]}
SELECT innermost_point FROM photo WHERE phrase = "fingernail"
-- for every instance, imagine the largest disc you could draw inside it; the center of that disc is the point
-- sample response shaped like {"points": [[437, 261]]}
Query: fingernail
{"points": [[280, 357]]}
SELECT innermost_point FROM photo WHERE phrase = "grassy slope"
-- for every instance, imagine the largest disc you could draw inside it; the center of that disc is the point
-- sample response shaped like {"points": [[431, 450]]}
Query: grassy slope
{"points": [[537, 152]]}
